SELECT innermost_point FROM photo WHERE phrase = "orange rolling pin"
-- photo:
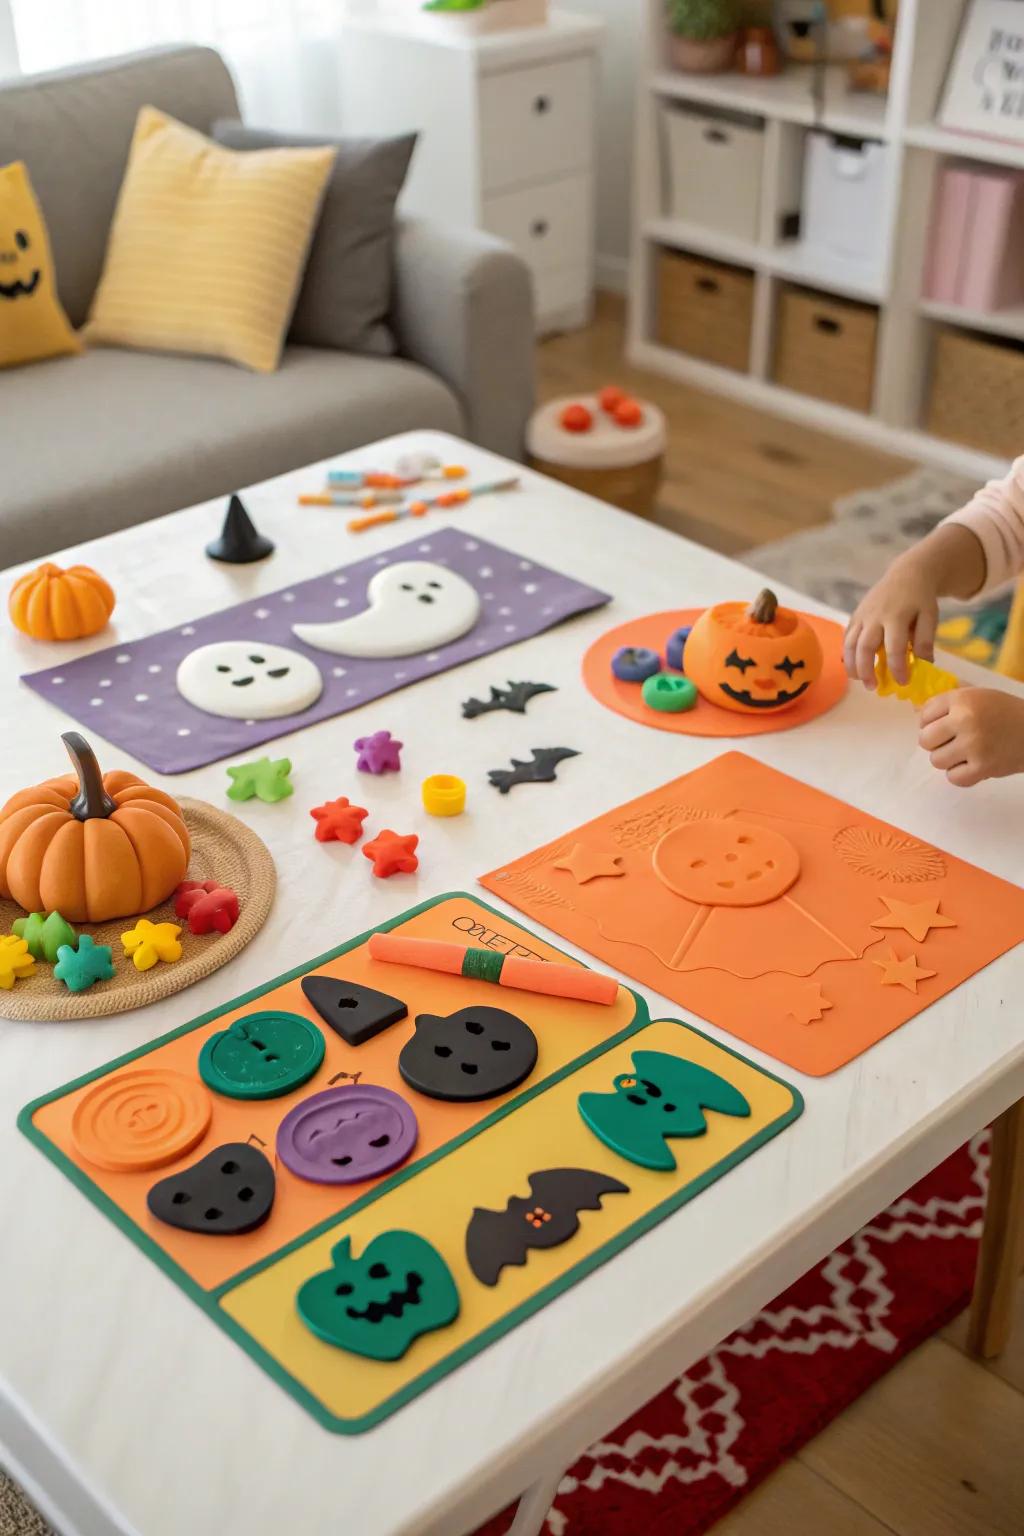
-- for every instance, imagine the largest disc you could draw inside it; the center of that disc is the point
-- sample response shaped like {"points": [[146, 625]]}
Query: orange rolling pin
{"points": [[544, 976]]}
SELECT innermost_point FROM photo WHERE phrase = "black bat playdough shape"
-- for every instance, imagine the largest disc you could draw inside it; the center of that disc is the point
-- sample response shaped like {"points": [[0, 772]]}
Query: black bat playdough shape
{"points": [[513, 698], [540, 771], [548, 1218]]}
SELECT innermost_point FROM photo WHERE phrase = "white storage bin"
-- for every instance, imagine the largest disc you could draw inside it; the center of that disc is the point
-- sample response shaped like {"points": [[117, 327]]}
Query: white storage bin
{"points": [[845, 184], [713, 165]]}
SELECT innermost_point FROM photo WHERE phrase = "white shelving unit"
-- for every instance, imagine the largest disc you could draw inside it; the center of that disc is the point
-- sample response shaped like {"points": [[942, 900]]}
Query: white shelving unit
{"points": [[917, 146]]}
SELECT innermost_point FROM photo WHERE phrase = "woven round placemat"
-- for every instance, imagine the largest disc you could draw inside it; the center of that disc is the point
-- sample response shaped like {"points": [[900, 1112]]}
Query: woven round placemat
{"points": [[223, 849]]}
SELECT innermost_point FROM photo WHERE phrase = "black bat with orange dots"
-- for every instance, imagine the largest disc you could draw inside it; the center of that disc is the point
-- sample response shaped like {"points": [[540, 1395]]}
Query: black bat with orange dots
{"points": [[547, 1218]]}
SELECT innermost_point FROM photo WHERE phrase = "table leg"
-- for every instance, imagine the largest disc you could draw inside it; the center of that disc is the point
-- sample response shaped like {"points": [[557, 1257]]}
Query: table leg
{"points": [[534, 1505], [1002, 1239]]}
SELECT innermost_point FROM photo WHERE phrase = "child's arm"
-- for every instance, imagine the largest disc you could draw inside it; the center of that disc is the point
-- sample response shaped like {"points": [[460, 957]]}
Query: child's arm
{"points": [[979, 547]]}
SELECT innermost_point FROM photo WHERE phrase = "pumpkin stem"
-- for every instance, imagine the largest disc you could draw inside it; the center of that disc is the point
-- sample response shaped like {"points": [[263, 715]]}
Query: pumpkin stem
{"points": [[92, 799], [765, 607]]}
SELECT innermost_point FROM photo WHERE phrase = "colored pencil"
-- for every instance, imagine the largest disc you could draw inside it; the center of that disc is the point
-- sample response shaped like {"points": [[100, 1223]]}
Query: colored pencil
{"points": [[418, 508], [542, 976], [351, 499]]}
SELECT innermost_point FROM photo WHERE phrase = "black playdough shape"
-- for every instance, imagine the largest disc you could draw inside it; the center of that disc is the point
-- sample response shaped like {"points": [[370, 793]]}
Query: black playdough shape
{"points": [[230, 1190], [355, 1013], [239, 542], [476, 1053], [548, 1218], [514, 698], [540, 771]]}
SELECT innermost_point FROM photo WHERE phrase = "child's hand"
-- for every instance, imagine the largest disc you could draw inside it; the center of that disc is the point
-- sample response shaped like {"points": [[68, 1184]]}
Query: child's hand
{"points": [[901, 610], [974, 734]]}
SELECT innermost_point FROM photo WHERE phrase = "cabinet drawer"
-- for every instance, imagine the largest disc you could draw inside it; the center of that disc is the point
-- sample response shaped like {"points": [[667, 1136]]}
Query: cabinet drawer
{"points": [[826, 348], [548, 224], [535, 122], [705, 308]]}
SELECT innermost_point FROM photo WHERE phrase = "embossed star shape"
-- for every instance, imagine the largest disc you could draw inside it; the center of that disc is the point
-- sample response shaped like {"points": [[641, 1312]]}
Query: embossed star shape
{"points": [[585, 864], [917, 918], [901, 973], [808, 1004]]}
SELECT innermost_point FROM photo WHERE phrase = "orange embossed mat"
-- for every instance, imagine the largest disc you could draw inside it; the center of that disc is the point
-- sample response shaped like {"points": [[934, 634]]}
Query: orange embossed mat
{"points": [[801, 925]]}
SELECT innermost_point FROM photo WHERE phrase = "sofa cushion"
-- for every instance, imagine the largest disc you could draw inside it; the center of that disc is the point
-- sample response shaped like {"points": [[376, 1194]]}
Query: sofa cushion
{"points": [[72, 128], [345, 298], [130, 435], [32, 323]]}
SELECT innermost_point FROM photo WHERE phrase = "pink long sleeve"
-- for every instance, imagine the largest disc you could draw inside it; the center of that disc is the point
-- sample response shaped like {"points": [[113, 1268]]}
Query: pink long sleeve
{"points": [[996, 517]]}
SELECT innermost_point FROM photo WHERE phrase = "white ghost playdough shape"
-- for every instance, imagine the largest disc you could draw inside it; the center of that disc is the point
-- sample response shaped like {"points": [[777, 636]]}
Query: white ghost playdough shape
{"points": [[414, 606], [249, 680]]}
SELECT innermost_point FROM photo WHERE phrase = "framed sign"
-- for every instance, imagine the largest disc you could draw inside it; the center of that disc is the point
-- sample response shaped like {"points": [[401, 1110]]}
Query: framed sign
{"points": [[985, 88]]}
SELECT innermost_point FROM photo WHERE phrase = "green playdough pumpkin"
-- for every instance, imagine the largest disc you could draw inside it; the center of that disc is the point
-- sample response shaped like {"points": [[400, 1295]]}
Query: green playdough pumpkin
{"points": [[377, 1304]]}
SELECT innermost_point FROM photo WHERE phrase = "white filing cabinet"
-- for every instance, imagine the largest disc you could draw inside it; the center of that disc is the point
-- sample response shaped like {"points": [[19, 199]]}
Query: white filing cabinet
{"points": [[507, 132]]}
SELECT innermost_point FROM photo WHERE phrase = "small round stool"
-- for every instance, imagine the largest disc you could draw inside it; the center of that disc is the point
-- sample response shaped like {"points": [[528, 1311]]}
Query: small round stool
{"points": [[622, 465]]}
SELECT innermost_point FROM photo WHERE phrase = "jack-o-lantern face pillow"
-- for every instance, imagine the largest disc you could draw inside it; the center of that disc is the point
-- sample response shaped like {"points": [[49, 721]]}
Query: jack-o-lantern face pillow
{"points": [[32, 323]]}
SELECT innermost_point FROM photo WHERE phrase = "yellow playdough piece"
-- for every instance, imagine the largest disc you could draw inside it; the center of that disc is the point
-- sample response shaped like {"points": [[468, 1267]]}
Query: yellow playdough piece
{"points": [[926, 680], [15, 960], [955, 631], [149, 942]]}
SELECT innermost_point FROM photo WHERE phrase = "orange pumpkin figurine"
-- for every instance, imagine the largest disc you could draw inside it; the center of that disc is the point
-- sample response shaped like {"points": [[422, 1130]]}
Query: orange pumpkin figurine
{"points": [[52, 604], [753, 659], [91, 846]]}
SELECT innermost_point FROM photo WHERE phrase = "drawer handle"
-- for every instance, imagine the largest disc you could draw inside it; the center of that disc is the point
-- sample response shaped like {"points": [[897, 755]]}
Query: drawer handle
{"points": [[826, 325], [539, 228], [708, 284], [541, 104], [715, 136]]}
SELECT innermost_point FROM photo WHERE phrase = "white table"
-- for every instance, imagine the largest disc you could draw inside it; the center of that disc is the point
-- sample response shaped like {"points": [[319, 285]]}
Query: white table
{"points": [[121, 1407]]}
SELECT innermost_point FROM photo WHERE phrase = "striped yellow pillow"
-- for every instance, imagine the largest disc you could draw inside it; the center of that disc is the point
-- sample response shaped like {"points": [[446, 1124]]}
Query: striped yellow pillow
{"points": [[208, 245]]}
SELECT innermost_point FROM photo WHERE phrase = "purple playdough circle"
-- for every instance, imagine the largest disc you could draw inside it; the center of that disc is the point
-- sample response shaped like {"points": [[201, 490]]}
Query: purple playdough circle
{"points": [[345, 1135]]}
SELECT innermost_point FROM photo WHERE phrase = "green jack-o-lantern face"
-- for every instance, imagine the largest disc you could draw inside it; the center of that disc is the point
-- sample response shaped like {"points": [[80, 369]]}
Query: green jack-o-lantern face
{"points": [[377, 1304], [19, 275]]}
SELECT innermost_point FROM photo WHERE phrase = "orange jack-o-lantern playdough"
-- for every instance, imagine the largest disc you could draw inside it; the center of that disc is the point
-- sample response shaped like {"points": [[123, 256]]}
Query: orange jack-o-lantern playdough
{"points": [[91, 846], [54, 604], [752, 659]]}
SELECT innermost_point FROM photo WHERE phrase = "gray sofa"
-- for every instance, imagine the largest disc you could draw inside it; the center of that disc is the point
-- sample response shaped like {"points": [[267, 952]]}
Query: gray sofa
{"points": [[114, 437]]}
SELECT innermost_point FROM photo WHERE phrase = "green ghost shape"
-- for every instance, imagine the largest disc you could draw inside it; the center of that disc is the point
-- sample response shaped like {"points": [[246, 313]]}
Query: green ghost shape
{"points": [[663, 1096], [377, 1304]]}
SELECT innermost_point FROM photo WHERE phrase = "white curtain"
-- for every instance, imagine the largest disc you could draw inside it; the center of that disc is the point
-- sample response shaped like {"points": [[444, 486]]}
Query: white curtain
{"points": [[283, 53]]}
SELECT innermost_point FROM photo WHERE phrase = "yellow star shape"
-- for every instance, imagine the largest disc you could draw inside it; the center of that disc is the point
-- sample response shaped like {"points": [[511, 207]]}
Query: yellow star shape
{"points": [[585, 864], [901, 973], [915, 917], [149, 942]]}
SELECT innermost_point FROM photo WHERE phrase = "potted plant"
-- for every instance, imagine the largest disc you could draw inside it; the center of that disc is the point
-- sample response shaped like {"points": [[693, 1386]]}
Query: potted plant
{"points": [[703, 34]]}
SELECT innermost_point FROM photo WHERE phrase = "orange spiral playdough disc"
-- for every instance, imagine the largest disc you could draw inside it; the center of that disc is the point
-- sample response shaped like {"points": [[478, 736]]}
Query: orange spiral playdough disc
{"points": [[141, 1120], [726, 863]]}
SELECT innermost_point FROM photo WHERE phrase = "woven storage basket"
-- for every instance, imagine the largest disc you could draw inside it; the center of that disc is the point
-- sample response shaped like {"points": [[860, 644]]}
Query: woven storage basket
{"points": [[826, 348], [977, 393], [705, 309]]}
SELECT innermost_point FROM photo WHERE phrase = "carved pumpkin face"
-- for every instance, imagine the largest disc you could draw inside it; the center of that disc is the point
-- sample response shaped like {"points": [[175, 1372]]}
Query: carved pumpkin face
{"points": [[726, 863], [377, 1304], [753, 659], [91, 847]]}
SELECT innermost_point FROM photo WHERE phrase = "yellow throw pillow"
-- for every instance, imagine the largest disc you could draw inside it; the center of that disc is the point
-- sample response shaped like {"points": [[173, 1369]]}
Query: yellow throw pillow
{"points": [[32, 323], [208, 245]]}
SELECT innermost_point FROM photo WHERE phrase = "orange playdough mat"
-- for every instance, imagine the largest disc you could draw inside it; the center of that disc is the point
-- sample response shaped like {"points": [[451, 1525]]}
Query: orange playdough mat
{"points": [[803, 926], [705, 719]]}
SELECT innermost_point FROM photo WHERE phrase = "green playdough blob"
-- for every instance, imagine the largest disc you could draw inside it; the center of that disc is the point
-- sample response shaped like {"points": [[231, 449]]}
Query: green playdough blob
{"points": [[663, 1096], [45, 935], [261, 1056], [669, 693], [377, 1304]]}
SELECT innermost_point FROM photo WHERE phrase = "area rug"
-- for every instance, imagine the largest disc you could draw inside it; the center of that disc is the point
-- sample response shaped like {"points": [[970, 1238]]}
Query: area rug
{"points": [[703, 1444], [838, 562], [700, 1446]]}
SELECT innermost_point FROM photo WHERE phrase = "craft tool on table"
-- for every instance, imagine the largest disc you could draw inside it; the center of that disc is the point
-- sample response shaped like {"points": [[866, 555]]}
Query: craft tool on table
{"points": [[337, 498], [378, 479], [418, 508], [488, 965]]}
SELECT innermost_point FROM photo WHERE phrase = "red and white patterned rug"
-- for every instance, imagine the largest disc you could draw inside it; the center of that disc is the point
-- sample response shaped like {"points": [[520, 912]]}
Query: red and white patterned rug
{"points": [[700, 1446]]}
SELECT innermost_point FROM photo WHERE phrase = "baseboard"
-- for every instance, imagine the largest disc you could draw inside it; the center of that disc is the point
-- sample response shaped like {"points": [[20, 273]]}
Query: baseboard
{"points": [[612, 273]]}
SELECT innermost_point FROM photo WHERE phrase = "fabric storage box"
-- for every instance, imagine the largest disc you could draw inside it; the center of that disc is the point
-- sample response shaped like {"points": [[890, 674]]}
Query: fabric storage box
{"points": [[845, 185], [977, 392], [826, 347], [712, 169], [705, 308]]}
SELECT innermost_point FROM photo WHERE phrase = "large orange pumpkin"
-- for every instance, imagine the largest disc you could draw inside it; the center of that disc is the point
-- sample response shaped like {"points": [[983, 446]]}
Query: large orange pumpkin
{"points": [[753, 659], [91, 846], [51, 604]]}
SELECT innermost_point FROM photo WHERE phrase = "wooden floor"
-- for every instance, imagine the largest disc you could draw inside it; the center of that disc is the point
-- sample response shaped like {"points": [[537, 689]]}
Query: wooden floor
{"points": [[936, 1448], [735, 476]]}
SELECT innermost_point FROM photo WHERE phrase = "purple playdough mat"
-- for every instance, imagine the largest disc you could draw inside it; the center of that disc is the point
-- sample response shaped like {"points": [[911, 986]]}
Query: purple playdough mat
{"points": [[127, 692]]}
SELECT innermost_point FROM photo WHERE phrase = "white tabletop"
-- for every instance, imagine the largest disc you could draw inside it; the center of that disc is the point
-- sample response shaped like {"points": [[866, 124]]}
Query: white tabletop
{"points": [[120, 1403]]}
